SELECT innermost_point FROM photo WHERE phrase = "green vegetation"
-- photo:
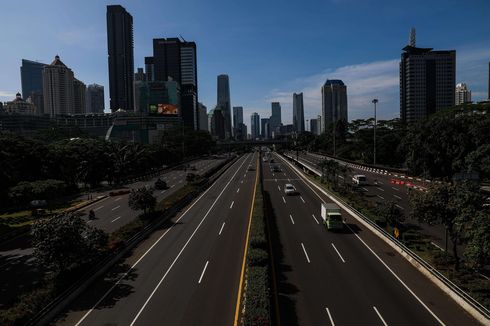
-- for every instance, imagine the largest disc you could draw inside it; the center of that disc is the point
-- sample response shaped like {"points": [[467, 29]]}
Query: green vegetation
{"points": [[142, 199], [257, 302]]}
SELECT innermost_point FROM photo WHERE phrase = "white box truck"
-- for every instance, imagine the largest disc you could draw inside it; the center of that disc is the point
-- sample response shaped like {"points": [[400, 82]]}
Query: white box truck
{"points": [[332, 217]]}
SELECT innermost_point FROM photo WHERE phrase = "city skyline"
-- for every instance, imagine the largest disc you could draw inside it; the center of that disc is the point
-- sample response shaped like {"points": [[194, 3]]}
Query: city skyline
{"points": [[372, 61]]}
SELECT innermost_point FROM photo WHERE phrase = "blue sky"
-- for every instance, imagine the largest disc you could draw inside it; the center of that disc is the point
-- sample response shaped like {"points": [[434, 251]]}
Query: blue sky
{"points": [[270, 49]]}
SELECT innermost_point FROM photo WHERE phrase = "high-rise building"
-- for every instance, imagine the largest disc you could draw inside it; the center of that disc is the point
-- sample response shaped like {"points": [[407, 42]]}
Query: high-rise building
{"points": [[319, 124], [314, 126], [427, 82], [150, 69], [463, 94], [237, 120], [263, 132], [255, 125], [37, 99], [217, 123], [203, 117], [18, 105], [140, 75], [298, 113], [31, 76], [224, 102], [275, 119], [58, 88], [94, 99], [157, 98], [489, 81], [176, 60], [121, 61], [79, 90], [334, 102]]}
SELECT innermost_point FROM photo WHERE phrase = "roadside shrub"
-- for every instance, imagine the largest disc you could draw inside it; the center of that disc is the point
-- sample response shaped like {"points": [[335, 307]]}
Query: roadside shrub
{"points": [[257, 257], [257, 308]]}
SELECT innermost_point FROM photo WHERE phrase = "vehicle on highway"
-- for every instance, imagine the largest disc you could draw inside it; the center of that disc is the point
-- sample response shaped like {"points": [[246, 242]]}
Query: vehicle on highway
{"points": [[276, 168], [119, 192], [290, 190], [250, 168], [332, 217], [359, 180]]}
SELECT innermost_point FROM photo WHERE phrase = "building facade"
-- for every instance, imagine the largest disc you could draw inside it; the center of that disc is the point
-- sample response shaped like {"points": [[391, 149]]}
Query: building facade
{"points": [[223, 99], [58, 89], [427, 82], [203, 116], [139, 75], [31, 76], [217, 123], [157, 98], [19, 106], [94, 99], [79, 90], [463, 94], [176, 60], [237, 120], [314, 126], [334, 102], [120, 56], [275, 119], [263, 128], [37, 99], [255, 125], [298, 113]]}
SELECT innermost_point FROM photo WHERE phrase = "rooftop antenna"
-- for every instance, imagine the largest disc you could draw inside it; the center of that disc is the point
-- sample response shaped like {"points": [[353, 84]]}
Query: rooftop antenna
{"points": [[412, 37], [182, 38]]}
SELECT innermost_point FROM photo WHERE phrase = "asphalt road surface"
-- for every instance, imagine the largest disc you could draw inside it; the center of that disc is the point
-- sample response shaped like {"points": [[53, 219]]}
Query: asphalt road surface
{"points": [[188, 272], [344, 278]]}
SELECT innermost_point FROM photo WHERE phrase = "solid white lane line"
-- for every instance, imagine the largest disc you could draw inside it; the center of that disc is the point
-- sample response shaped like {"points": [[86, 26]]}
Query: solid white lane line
{"points": [[398, 197], [284, 200], [364, 189], [380, 182], [380, 189], [399, 206], [95, 210], [203, 271], [115, 208], [237, 190], [380, 197], [330, 317], [172, 186], [221, 230], [379, 315], [306, 254], [279, 188], [395, 188], [115, 219], [162, 191], [338, 253], [232, 204], [316, 220], [292, 221], [154, 244], [118, 199], [341, 177], [302, 199]]}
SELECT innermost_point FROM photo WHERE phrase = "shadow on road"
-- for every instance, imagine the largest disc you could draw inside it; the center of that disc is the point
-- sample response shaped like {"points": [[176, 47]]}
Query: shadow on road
{"points": [[286, 291]]}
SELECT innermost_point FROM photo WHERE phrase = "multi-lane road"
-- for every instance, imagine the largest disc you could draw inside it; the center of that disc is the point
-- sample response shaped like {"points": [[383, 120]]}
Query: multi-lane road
{"points": [[187, 273], [346, 278]]}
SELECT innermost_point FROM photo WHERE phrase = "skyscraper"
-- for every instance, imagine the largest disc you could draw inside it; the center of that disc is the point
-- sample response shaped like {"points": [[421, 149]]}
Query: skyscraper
{"points": [[140, 75], [94, 99], [121, 61], [263, 130], [275, 119], [203, 117], [150, 69], [463, 94], [334, 102], [217, 123], [427, 82], [255, 125], [31, 76], [314, 126], [79, 90], [224, 102], [237, 119], [174, 59], [298, 113], [58, 88]]}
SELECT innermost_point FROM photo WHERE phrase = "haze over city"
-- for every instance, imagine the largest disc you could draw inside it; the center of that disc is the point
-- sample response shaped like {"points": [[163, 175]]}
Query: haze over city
{"points": [[269, 49]]}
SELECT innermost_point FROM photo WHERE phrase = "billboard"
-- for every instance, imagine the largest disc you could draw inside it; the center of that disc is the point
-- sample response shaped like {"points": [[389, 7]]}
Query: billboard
{"points": [[163, 109]]}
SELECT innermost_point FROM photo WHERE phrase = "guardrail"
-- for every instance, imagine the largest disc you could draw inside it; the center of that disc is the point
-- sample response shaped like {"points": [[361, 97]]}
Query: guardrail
{"points": [[53, 308], [453, 287]]}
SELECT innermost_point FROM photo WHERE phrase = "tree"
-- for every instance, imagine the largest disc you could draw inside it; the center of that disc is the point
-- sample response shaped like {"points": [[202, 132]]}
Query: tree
{"points": [[49, 189], [65, 242], [477, 252], [452, 205], [142, 199], [479, 161], [391, 214]]}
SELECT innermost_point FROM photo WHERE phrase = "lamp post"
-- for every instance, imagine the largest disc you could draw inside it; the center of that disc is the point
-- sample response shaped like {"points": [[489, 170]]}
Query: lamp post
{"points": [[375, 122]]}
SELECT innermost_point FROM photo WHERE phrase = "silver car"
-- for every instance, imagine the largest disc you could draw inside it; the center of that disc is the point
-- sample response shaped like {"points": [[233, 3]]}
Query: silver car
{"points": [[289, 189]]}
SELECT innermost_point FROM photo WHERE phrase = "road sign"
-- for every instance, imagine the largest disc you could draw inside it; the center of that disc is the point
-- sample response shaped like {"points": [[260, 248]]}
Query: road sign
{"points": [[396, 232]]}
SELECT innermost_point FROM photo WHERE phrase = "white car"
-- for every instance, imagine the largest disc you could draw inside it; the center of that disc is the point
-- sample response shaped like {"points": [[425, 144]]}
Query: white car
{"points": [[289, 189], [359, 179]]}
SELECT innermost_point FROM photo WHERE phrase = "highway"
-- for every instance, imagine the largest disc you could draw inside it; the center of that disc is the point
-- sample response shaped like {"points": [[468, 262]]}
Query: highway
{"points": [[113, 212], [345, 278], [186, 273]]}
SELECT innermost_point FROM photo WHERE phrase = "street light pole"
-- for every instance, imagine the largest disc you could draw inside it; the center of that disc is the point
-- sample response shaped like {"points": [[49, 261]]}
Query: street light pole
{"points": [[375, 122]]}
